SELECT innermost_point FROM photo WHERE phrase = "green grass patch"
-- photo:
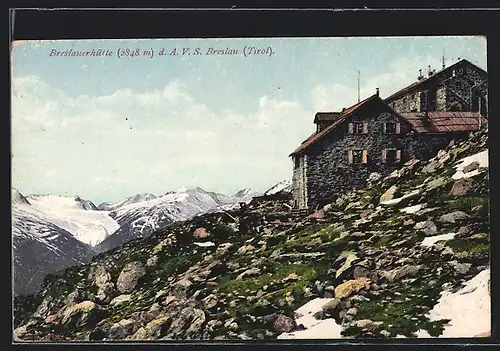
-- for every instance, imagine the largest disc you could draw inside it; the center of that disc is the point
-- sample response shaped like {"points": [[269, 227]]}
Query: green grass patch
{"points": [[467, 203], [403, 308]]}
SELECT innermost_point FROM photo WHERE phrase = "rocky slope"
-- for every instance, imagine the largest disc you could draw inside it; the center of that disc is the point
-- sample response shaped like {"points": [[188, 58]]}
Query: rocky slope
{"points": [[379, 262], [141, 215]]}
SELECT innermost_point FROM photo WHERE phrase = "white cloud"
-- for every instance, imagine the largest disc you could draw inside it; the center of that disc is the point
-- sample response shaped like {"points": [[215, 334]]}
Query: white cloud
{"points": [[153, 141]]}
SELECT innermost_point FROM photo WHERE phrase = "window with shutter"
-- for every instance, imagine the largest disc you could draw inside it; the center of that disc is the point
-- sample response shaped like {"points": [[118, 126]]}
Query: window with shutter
{"points": [[390, 127], [365, 127], [391, 156], [349, 156], [356, 156], [398, 128], [365, 156], [351, 128]]}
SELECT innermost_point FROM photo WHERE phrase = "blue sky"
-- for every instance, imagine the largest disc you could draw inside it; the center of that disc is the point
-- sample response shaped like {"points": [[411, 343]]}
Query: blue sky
{"points": [[106, 127]]}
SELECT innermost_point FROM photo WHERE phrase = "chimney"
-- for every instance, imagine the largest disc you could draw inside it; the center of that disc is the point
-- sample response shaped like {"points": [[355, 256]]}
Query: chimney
{"points": [[420, 76], [429, 72], [343, 109], [377, 90]]}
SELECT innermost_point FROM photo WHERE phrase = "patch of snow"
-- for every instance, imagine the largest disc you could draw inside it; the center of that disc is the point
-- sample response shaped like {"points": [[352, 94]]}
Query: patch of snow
{"points": [[469, 309], [284, 185], [205, 244], [431, 240], [315, 329], [323, 329], [399, 199], [412, 209], [480, 157], [130, 200]]}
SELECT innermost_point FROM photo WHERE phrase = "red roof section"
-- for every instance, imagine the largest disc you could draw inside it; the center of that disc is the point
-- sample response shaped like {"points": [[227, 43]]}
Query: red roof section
{"points": [[414, 85], [343, 116], [443, 122], [327, 116]]}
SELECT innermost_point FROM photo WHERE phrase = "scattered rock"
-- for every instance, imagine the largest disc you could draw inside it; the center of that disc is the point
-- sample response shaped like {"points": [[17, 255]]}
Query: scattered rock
{"points": [[223, 249], [406, 271], [436, 183], [356, 236], [452, 217], [210, 301], [350, 287], [122, 329], [319, 214], [120, 299], [245, 249], [292, 277], [315, 242], [51, 319], [252, 272], [151, 330], [389, 194], [360, 272], [428, 227], [200, 233], [471, 167], [284, 324]]}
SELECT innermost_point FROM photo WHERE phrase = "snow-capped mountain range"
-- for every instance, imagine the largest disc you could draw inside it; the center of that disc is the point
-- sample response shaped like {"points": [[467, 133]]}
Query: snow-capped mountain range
{"points": [[53, 232], [142, 215]]}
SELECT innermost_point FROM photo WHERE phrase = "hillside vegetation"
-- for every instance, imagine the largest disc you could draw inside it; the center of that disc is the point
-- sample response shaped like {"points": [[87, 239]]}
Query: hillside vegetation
{"points": [[374, 264]]}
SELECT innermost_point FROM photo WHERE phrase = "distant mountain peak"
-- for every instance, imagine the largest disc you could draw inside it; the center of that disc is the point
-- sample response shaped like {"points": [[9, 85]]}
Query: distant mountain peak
{"points": [[18, 198]]}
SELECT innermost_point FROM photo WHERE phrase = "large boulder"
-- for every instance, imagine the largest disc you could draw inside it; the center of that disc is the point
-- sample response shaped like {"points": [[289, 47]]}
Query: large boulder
{"points": [[129, 276], [84, 314], [101, 278], [462, 186]]}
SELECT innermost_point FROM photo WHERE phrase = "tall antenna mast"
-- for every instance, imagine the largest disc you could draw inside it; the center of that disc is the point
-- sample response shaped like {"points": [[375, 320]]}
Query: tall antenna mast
{"points": [[358, 87]]}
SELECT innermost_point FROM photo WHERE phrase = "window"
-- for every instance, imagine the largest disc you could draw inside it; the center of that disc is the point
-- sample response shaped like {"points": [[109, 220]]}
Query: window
{"points": [[358, 128], [404, 99], [357, 156], [297, 162], [392, 128], [413, 96], [391, 156]]}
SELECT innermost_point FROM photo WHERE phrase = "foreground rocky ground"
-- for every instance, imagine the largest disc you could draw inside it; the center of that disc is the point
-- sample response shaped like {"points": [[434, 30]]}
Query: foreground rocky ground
{"points": [[374, 264]]}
